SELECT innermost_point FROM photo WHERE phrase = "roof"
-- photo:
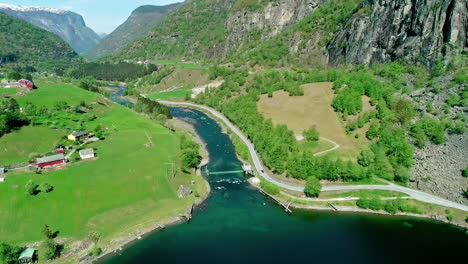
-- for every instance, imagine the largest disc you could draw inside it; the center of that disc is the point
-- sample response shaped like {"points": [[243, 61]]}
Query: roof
{"points": [[27, 253], [86, 152], [50, 158], [80, 134]]}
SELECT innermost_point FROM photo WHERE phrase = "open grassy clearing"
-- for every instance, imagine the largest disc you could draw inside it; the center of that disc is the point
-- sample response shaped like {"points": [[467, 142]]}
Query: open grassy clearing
{"points": [[8, 91], [315, 147], [180, 79], [50, 92], [127, 185], [171, 95], [17, 147], [311, 109]]}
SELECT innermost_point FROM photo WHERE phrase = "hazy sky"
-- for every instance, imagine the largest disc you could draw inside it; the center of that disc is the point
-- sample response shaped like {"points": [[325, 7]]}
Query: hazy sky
{"points": [[100, 15]]}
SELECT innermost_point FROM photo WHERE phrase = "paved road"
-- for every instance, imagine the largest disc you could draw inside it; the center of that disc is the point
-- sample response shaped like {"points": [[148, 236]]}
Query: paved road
{"points": [[417, 195]]}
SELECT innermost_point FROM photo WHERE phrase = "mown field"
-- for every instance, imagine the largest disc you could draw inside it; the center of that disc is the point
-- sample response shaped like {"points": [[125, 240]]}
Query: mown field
{"points": [[125, 189], [8, 91], [49, 92], [171, 95], [312, 109], [16, 147]]}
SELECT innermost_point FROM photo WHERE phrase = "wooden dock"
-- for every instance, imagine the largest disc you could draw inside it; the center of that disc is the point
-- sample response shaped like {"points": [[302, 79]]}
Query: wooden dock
{"points": [[286, 207]]}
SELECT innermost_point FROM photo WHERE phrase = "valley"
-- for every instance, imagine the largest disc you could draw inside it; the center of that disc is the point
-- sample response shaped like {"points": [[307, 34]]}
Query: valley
{"points": [[235, 125]]}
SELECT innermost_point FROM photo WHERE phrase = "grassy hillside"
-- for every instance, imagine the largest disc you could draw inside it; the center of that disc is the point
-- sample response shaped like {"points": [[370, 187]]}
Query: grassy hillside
{"points": [[138, 24], [23, 45], [125, 190]]}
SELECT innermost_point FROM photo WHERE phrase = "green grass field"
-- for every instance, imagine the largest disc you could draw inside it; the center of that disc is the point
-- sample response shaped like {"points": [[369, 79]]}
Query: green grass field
{"points": [[124, 190], [8, 91], [48, 93], [17, 146], [170, 95], [125, 187]]}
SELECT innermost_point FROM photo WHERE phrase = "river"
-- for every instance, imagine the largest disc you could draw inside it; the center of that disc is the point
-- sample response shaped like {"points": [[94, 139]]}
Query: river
{"points": [[236, 224]]}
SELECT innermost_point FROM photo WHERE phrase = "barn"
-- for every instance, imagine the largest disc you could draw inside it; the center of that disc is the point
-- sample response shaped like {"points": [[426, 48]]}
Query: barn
{"points": [[50, 161]]}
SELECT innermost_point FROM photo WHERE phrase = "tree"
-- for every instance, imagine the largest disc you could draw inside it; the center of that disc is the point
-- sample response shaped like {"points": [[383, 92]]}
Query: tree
{"points": [[465, 173], [402, 174], [9, 254], [46, 188], [31, 188], [366, 158], [47, 232], [311, 134], [51, 249], [312, 187]]}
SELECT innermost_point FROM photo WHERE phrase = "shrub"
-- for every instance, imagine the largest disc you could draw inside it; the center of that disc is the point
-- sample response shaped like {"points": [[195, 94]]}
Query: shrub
{"points": [[363, 203], [95, 251], [311, 134], [312, 187]]}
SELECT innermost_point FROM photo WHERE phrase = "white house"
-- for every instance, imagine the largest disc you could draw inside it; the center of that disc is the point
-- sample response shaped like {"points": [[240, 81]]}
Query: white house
{"points": [[86, 153]]}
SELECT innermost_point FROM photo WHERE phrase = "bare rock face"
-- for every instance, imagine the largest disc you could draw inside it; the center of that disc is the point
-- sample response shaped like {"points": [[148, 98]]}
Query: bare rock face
{"points": [[413, 30], [184, 191], [267, 22], [438, 168]]}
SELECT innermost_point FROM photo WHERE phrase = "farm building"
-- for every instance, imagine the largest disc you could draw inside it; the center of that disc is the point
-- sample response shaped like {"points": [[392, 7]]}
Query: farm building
{"points": [[26, 83], [50, 161], [86, 153], [2, 179], [2, 170], [60, 151], [13, 84], [76, 136], [27, 256]]}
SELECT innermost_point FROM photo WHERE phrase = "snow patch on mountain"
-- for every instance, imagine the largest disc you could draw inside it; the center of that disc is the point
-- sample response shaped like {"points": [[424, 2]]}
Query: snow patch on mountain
{"points": [[32, 9]]}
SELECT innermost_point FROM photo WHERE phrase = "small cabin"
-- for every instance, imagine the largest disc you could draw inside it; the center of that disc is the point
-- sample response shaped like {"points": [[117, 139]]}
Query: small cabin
{"points": [[27, 256], [77, 136], [86, 153]]}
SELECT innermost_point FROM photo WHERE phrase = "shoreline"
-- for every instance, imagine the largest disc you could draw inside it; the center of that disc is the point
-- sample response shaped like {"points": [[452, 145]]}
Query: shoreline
{"points": [[344, 208], [176, 220]]}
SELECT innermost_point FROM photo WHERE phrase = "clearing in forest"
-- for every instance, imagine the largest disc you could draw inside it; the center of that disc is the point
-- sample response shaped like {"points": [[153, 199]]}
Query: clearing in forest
{"points": [[312, 109]]}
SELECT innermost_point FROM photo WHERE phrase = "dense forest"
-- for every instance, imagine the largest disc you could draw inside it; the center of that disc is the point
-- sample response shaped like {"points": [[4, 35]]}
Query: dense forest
{"points": [[121, 71]]}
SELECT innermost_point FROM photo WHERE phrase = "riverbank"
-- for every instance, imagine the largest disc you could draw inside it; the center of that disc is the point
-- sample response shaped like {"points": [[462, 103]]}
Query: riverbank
{"points": [[439, 217], [133, 237], [347, 206]]}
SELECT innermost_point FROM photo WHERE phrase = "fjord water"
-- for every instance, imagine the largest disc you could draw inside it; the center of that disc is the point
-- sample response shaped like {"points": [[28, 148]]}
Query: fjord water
{"points": [[236, 224]]}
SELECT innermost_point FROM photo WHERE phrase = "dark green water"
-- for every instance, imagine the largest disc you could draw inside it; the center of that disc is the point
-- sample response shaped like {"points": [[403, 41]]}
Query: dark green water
{"points": [[236, 224]]}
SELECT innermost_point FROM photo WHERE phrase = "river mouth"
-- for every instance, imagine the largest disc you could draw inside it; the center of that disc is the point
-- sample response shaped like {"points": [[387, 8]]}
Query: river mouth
{"points": [[236, 224]]}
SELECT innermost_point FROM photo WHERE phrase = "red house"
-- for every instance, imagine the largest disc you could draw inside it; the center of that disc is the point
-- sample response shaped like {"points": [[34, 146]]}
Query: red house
{"points": [[27, 83], [50, 161], [60, 151]]}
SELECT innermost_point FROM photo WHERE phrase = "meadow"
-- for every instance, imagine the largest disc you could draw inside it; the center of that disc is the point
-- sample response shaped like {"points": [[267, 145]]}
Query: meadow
{"points": [[8, 91], [312, 109], [49, 92], [170, 95], [17, 146], [125, 189]]}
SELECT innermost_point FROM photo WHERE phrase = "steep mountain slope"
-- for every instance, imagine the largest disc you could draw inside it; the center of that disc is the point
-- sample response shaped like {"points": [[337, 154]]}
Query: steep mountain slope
{"points": [[68, 25], [418, 30], [24, 45], [139, 23], [308, 32]]}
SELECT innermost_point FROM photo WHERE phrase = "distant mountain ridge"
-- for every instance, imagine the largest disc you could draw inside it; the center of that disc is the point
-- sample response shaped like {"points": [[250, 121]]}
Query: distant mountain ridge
{"points": [[142, 20], [68, 25]]}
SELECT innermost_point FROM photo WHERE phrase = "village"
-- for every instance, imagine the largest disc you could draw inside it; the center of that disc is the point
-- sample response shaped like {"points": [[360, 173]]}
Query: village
{"points": [[57, 158]]}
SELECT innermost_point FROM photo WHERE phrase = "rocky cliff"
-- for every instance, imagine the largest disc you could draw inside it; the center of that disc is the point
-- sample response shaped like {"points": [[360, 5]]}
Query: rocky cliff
{"points": [[247, 25], [139, 23], [68, 25], [422, 31]]}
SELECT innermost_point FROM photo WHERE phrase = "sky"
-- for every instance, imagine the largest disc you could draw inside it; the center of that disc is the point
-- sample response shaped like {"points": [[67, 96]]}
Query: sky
{"points": [[103, 16]]}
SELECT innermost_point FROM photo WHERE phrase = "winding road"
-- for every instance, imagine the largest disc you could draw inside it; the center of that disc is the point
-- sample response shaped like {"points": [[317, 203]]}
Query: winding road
{"points": [[414, 194]]}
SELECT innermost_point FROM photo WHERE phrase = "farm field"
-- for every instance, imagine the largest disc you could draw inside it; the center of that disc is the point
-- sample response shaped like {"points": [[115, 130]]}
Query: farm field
{"points": [[126, 186], [312, 109], [50, 92], [170, 95], [8, 91], [16, 147]]}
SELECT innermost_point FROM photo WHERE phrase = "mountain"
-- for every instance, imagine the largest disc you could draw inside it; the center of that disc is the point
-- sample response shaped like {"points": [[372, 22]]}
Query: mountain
{"points": [[68, 25], [102, 34], [139, 23], [26, 46], [308, 32]]}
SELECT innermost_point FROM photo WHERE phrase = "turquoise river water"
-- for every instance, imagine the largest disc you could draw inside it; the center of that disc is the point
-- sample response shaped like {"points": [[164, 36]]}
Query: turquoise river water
{"points": [[237, 224]]}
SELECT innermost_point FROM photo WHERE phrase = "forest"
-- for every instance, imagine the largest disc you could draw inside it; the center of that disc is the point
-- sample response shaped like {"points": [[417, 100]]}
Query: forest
{"points": [[121, 71], [10, 117]]}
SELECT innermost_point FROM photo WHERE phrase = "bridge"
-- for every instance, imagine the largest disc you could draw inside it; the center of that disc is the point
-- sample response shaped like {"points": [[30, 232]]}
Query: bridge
{"points": [[224, 172]]}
